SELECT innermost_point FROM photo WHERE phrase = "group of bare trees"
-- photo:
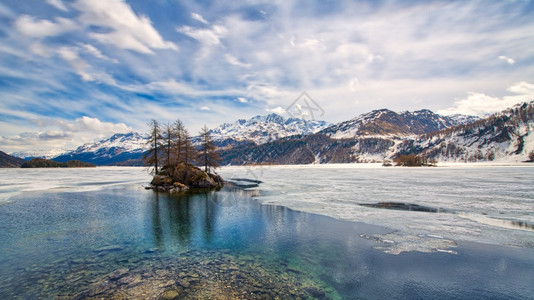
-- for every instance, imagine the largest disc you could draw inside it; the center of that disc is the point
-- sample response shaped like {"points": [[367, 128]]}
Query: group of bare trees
{"points": [[412, 160], [170, 144]]}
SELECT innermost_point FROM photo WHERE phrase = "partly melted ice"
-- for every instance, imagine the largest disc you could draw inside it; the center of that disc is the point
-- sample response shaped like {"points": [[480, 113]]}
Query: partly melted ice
{"points": [[487, 204]]}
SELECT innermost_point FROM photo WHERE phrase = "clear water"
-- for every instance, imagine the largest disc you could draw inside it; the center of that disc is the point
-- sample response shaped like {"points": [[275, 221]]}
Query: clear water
{"points": [[75, 240]]}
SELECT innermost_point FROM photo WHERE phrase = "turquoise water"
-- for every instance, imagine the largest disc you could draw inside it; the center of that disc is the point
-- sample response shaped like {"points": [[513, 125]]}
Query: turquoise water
{"points": [[126, 242]]}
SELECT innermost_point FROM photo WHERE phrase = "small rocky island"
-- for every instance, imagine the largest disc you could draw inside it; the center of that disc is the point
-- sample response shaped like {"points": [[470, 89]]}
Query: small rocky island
{"points": [[183, 177], [171, 145]]}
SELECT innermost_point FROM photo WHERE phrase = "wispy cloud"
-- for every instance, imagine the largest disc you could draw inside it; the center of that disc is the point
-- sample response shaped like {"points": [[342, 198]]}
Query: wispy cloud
{"points": [[207, 36], [198, 17], [234, 61], [128, 30], [96, 53], [70, 55], [507, 59], [58, 4], [30, 26]]}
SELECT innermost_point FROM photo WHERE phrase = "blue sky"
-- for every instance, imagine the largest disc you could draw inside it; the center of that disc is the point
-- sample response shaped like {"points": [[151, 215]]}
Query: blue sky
{"points": [[75, 71]]}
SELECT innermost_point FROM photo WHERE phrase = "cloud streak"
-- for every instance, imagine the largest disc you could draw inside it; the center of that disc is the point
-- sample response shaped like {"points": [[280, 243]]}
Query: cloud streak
{"points": [[128, 30], [30, 26]]}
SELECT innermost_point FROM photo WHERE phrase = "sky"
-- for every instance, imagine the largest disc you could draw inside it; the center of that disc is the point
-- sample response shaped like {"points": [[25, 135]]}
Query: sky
{"points": [[73, 72]]}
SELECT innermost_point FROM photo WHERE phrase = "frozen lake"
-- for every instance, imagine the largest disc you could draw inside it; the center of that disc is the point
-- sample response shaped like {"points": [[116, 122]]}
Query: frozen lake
{"points": [[334, 231]]}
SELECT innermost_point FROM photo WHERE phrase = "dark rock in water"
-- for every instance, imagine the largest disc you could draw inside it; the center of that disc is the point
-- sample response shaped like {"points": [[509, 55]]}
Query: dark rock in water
{"points": [[315, 292], [118, 274], [108, 248], [169, 295], [182, 177], [247, 179], [404, 206], [243, 182]]}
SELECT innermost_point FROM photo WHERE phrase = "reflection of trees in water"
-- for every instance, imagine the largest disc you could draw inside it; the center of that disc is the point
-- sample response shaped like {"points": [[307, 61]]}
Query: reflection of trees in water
{"points": [[180, 219], [192, 218], [210, 212], [156, 222]]}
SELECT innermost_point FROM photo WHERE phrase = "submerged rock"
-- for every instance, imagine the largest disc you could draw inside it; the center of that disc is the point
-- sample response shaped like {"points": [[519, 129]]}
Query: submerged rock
{"points": [[404, 206], [118, 274], [170, 294]]}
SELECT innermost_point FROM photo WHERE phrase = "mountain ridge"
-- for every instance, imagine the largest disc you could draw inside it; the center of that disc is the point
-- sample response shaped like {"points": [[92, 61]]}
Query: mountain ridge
{"points": [[370, 137], [507, 136], [387, 122], [128, 148]]}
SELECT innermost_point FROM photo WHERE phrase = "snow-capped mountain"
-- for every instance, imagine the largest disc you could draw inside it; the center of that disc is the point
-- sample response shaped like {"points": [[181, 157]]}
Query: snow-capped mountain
{"points": [[385, 122], [263, 129], [118, 148], [371, 137], [384, 135], [48, 154], [130, 147]]}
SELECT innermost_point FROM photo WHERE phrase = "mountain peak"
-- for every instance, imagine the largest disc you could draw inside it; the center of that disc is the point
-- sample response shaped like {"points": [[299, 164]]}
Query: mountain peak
{"points": [[388, 122], [263, 129]]}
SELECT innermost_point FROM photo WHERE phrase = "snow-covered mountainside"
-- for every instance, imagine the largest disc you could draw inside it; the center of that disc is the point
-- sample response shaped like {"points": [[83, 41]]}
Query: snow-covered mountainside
{"points": [[385, 135], [385, 122], [263, 129], [505, 136], [118, 148]]}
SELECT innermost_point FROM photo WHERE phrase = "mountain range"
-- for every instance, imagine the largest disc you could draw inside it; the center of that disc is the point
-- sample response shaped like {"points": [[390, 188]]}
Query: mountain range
{"points": [[371, 137], [127, 149]]}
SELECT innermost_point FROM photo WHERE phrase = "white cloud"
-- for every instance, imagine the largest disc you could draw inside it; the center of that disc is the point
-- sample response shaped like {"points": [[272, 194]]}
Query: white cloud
{"points": [[523, 88], [30, 26], [129, 31], [82, 68], [208, 37], [481, 104], [205, 108], [71, 56], [61, 134], [242, 100], [507, 59], [277, 110], [94, 125], [234, 61], [199, 18], [58, 4], [41, 50], [96, 53]]}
